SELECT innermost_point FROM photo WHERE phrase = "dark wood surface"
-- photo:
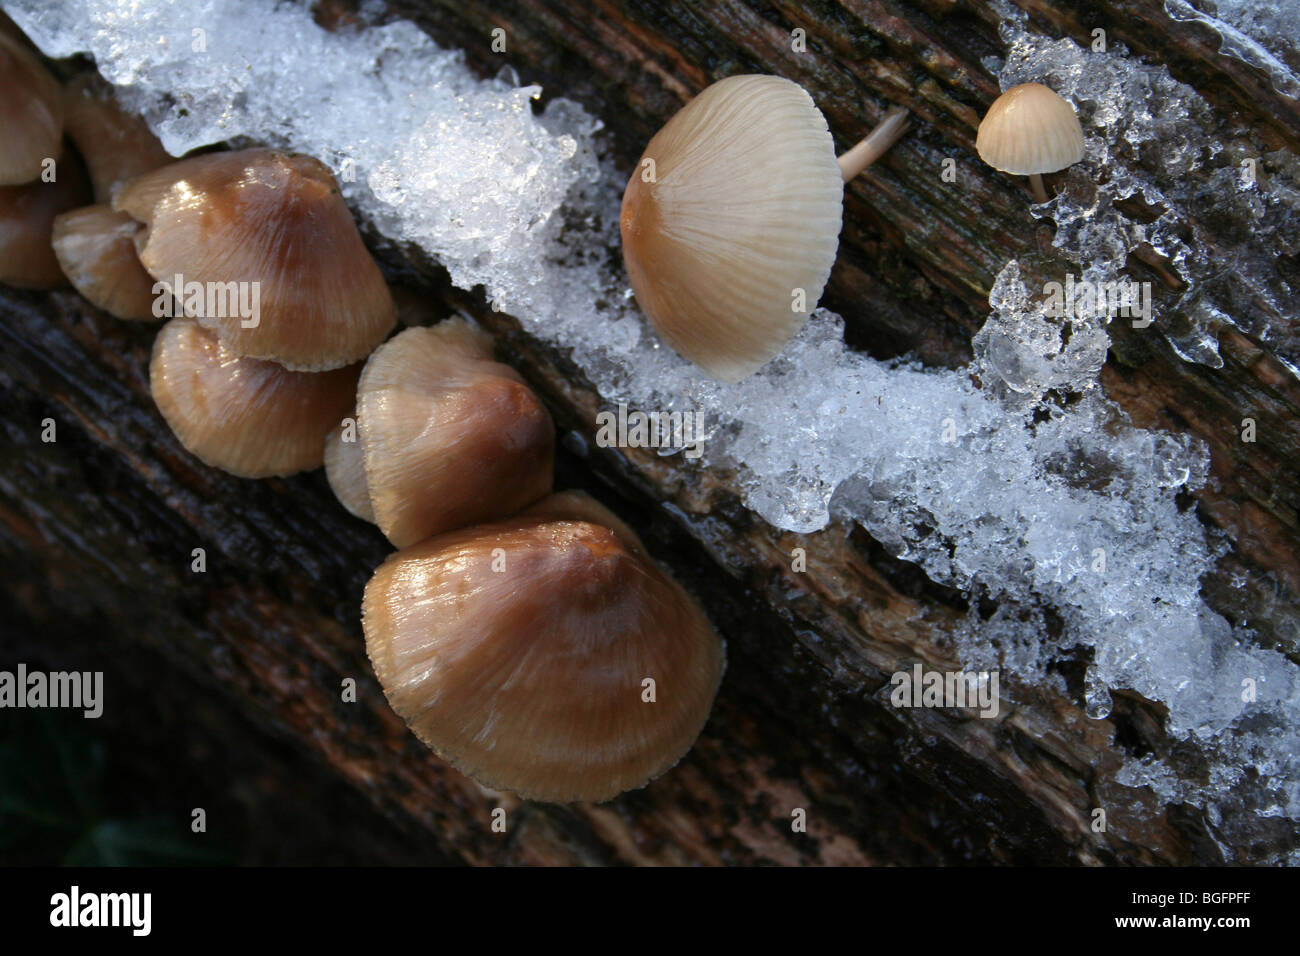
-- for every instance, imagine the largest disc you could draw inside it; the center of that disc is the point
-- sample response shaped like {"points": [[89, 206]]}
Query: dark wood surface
{"points": [[99, 526]]}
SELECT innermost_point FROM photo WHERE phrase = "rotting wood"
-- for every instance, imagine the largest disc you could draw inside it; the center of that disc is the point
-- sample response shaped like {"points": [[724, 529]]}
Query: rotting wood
{"points": [[114, 508]]}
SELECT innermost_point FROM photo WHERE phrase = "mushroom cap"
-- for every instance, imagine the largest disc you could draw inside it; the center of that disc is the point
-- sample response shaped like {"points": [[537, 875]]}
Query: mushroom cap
{"points": [[745, 208], [345, 468], [96, 250], [246, 416], [117, 146], [27, 214], [277, 219], [31, 114], [450, 437], [523, 667], [1030, 129]]}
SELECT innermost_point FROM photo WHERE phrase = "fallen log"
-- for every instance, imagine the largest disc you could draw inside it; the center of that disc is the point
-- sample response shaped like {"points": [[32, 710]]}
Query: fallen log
{"points": [[112, 510]]}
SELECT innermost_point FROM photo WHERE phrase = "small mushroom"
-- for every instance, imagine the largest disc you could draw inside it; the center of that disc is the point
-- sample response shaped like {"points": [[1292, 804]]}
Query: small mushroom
{"points": [[117, 146], [95, 247], [31, 114], [450, 437], [545, 655], [1030, 130], [27, 214], [345, 468], [731, 220], [276, 220], [246, 416]]}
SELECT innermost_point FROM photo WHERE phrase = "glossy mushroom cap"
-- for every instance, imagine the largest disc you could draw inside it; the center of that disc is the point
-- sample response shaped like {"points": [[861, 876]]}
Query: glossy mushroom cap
{"points": [[276, 219], [27, 215], [345, 468], [116, 145], [31, 114], [451, 437], [518, 650], [96, 251], [744, 209], [247, 417], [1030, 130]]}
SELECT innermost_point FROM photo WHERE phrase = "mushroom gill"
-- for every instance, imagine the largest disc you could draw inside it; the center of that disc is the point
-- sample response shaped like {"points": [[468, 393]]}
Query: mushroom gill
{"points": [[731, 222], [96, 251]]}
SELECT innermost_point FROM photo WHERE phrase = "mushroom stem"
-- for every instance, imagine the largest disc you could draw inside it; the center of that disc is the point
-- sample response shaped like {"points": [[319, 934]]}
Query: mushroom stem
{"points": [[886, 133], [1036, 183]]}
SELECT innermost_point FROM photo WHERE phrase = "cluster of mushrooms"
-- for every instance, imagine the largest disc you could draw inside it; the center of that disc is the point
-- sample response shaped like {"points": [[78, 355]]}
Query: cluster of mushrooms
{"points": [[731, 219], [524, 635]]}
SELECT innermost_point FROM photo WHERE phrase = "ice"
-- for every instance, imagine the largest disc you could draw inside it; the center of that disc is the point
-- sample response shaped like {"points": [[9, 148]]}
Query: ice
{"points": [[1261, 34], [1014, 479], [1136, 116]]}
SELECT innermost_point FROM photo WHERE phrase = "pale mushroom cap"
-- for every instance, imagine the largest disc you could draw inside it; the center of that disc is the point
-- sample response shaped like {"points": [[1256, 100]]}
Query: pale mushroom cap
{"points": [[117, 146], [276, 219], [27, 215], [96, 251], [345, 467], [31, 114], [1030, 129], [744, 210], [451, 437], [517, 651], [248, 417]]}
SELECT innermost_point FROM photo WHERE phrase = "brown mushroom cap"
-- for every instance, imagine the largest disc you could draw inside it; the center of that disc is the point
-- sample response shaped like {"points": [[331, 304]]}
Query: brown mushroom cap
{"points": [[27, 214], [451, 437], [31, 114], [744, 209], [517, 651], [580, 506], [245, 416], [96, 251], [345, 468], [277, 219], [1030, 130], [116, 145]]}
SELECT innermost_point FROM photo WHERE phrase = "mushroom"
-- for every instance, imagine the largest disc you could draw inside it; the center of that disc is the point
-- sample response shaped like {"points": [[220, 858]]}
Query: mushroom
{"points": [[731, 220], [95, 247], [27, 214], [545, 655], [275, 220], [450, 437], [1030, 130], [31, 114], [246, 416], [117, 146], [345, 468]]}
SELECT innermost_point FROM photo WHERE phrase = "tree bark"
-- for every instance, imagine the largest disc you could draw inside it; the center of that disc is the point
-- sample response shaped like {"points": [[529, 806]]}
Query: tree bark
{"points": [[108, 515]]}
